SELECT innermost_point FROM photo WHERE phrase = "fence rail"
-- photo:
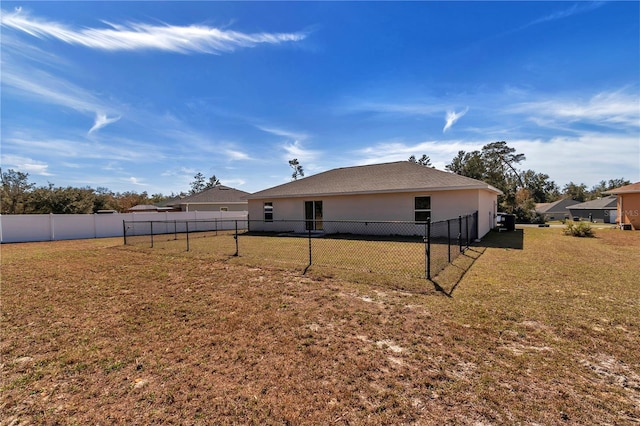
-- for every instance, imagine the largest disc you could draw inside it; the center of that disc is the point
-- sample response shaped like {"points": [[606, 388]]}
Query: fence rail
{"points": [[416, 249]]}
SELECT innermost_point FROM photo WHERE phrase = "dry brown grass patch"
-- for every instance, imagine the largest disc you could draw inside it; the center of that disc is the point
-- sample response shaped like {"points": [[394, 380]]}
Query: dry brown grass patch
{"points": [[98, 333]]}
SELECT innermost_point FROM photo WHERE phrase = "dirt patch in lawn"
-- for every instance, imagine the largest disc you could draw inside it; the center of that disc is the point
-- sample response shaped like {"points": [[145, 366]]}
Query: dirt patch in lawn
{"points": [[97, 333]]}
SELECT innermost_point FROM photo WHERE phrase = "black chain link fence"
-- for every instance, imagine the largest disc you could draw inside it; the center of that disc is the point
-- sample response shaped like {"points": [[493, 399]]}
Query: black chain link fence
{"points": [[413, 249]]}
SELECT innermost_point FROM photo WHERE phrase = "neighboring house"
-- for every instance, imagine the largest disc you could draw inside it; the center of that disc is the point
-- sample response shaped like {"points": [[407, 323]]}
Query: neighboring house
{"points": [[148, 208], [558, 210], [219, 198], [399, 191], [600, 210], [628, 205]]}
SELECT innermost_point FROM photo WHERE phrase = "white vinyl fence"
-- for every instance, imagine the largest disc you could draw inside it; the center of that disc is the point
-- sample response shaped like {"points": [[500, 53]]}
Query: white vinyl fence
{"points": [[51, 227]]}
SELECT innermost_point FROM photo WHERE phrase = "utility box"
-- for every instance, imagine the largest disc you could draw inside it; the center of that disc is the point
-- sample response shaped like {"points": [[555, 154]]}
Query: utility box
{"points": [[510, 222]]}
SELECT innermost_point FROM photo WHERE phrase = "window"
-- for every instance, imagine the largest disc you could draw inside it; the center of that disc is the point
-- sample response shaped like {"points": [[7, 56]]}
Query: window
{"points": [[422, 209], [268, 212]]}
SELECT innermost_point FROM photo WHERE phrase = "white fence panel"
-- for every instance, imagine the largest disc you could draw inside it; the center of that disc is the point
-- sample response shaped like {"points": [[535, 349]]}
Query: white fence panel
{"points": [[49, 227], [73, 227], [22, 228]]}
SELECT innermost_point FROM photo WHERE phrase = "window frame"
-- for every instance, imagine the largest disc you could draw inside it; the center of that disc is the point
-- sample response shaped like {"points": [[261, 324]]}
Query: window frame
{"points": [[420, 210], [267, 211]]}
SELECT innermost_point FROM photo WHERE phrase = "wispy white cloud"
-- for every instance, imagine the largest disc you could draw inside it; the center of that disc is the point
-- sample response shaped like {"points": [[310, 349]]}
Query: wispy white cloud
{"points": [[425, 108], [296, 149], [298, 136], [439, 153], [136, 181], [101, 121], [25, 164], [236, 155], [619, 109], [452, 117], [48, 88], [576, 8], [141, 36]]}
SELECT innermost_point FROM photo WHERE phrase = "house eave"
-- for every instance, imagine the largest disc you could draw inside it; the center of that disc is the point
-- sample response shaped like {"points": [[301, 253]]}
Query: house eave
{"points": [[375, 192]]}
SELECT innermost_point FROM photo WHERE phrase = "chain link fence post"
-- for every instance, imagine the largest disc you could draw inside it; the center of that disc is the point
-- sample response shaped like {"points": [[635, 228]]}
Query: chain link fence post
{"points": [[460, 233], [466, 219], [449, 240], [235, 237], [310, 252], [187, 229], [428, 247]]}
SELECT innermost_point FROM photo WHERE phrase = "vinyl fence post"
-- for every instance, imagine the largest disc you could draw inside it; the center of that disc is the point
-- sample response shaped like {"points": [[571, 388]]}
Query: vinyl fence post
{"points": [[151, 222], [187, 226]]}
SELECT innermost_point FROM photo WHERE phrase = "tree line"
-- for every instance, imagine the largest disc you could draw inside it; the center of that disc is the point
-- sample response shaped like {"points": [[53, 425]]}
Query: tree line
{"points": [[496, 164]]}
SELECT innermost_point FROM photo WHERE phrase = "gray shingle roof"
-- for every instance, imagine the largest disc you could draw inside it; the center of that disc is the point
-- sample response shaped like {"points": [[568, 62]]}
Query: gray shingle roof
{"points": [[605, 203], [559, 206], [401, 176], [217, 194]]}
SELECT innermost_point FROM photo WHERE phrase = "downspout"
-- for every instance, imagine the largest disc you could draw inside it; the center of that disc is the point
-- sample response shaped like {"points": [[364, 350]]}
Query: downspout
{"points": [[621, 212]]}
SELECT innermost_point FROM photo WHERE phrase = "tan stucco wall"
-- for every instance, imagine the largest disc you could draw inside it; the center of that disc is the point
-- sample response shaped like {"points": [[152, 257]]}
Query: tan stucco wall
{"points": [[386, 207], [629, 209]]}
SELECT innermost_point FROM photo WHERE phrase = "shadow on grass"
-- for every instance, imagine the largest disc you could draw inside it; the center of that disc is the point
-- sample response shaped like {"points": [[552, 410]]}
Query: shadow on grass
{"points": [[450, 277], [506, 239]]}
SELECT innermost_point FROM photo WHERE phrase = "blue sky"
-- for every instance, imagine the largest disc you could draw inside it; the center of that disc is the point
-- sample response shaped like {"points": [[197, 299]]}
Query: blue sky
{"points": [[140, 96]]}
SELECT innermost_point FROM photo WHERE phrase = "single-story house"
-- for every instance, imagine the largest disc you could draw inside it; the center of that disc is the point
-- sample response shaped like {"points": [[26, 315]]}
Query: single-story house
{"points": [[148, 208], [219, 198], [558, 210], [628, 205], [600, 210], [398, 191]]}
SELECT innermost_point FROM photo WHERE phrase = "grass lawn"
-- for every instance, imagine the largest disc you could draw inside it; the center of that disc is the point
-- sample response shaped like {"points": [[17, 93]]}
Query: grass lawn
{"points": [[530, 327]]}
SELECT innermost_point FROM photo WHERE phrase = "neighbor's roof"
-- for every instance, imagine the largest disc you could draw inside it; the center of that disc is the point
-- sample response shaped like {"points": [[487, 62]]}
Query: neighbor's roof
{"points": [[559, 206], [605, 203], [217, 194], [627, 189], [401, 176], [143, 207]]}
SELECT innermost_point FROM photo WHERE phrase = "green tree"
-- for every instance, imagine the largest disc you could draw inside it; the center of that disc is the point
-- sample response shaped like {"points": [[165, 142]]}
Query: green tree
{"points": [[297, 169], [15, 191], [575, 191], [496, 164], [212, 182], [540, 187], [597, 191], [469, 164], [60, 200], [423, 161], [198, 184]]}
